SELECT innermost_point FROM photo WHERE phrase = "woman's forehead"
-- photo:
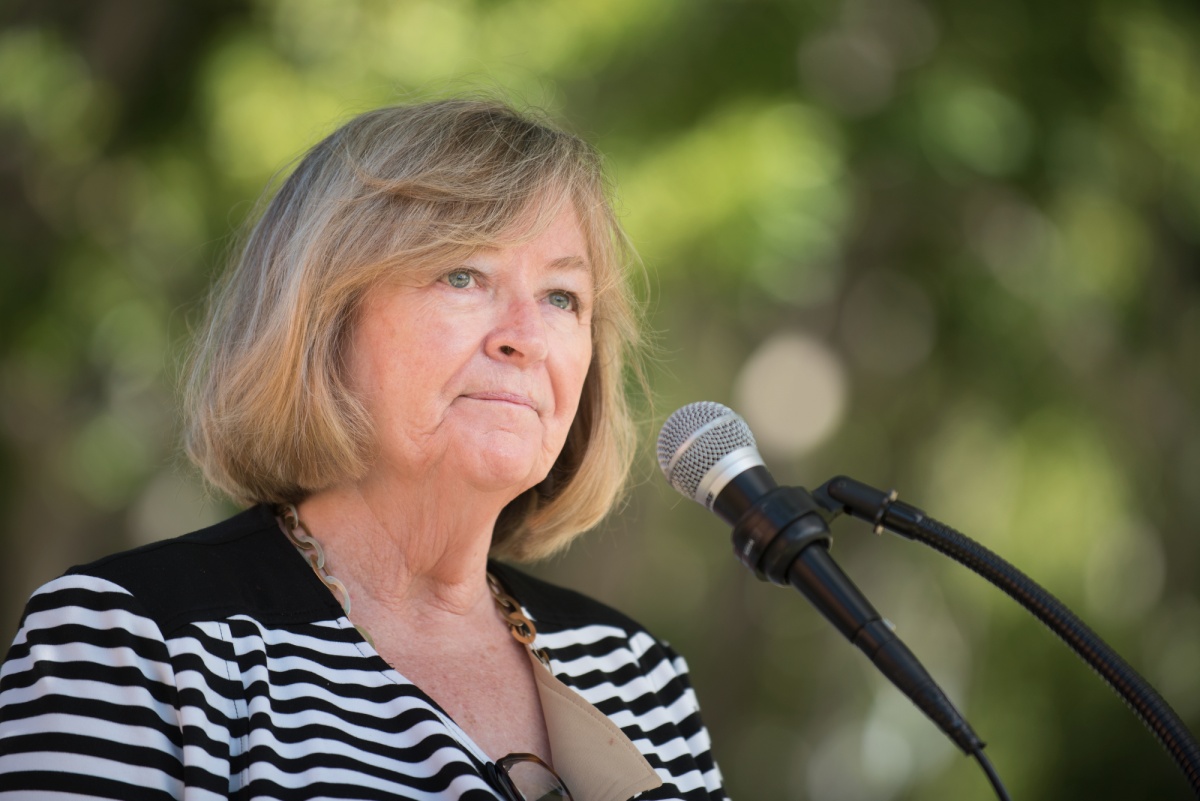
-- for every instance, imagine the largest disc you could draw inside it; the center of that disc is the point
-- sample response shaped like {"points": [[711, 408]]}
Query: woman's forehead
{"points": [[563, 222]]}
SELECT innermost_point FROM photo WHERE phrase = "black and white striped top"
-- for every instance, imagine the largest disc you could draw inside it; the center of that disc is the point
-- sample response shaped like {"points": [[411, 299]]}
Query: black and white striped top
{"points": [[216, 665]]}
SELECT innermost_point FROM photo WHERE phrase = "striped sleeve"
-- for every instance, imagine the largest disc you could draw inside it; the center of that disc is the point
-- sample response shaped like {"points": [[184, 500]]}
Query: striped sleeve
{"points": [[642, 685], [88, 700], [684, 714]]}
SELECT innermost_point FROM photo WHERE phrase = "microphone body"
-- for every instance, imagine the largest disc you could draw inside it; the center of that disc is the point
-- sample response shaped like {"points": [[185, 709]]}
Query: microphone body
{"points": [[782, 535]]}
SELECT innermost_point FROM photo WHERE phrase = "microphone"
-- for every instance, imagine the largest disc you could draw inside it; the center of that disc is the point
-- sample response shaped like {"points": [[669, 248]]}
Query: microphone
{"points": [[708, 453]]}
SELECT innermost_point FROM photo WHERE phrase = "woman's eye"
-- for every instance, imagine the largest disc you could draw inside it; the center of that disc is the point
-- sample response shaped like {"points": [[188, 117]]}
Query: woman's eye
{"points": [[563, 300], [459, 279]]}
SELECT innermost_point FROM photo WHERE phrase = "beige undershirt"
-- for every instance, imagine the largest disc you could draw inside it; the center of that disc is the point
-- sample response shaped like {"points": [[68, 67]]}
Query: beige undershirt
{"points": [[591, 754]]}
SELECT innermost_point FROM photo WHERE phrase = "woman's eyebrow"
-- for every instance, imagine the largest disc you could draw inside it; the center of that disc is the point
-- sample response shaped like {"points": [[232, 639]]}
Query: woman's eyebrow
{"points": [[571, 263]]}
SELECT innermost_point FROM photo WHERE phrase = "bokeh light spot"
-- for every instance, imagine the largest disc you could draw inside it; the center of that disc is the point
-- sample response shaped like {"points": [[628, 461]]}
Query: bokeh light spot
{"points": [[792, 392]]}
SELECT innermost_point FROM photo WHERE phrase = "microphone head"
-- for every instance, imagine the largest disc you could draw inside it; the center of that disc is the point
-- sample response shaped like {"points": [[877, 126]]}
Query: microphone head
{"points": [[702, 446]]}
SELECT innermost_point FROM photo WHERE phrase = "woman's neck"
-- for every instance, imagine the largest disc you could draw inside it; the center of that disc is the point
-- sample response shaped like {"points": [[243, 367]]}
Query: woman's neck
{"points": [[409, 552]]}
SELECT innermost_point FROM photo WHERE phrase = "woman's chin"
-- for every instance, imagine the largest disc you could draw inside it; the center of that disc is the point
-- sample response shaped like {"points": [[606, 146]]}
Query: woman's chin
{"points": [[495, 469]]}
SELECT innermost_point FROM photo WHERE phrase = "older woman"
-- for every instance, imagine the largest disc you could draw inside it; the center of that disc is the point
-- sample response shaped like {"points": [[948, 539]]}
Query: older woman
{"points": [[415, 363]]}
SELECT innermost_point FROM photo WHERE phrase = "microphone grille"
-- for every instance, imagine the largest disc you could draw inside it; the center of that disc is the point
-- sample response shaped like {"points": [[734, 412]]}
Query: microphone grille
{"points": [[695, 438]]}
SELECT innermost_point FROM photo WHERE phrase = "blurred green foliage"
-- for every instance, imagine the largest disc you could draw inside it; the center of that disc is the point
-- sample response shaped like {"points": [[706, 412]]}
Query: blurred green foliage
{"points": [[984, 219]]}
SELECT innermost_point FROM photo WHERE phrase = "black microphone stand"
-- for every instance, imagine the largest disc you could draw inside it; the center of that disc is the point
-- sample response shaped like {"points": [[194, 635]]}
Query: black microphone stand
{"points": [[845, 495], [782, 535]]}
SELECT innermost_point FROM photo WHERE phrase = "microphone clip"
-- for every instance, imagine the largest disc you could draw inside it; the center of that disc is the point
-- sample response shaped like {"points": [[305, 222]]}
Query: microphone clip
{"points": [[772, 532]]}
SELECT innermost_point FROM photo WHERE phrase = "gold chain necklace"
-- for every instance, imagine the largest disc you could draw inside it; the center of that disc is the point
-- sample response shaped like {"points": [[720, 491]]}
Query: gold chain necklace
{"points": [[311, 550], [519, 624]]}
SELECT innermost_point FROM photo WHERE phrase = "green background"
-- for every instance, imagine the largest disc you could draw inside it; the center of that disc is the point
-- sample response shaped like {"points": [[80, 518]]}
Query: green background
{"points": [[947, 246]]}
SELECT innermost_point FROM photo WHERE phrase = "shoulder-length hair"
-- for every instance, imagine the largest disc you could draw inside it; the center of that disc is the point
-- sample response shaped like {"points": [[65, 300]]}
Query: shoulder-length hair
{"points": [[402, 191]]}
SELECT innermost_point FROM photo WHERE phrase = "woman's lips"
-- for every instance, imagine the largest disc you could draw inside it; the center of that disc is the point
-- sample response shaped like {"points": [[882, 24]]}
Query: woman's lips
{"points": [[504, 397]]}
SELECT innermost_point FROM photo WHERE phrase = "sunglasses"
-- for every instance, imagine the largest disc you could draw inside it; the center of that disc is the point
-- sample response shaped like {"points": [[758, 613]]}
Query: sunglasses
{"points": [[525, 777]]}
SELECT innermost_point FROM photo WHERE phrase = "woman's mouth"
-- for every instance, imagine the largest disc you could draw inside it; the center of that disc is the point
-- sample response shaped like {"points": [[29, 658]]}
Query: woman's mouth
{"points": [[504, 397]]}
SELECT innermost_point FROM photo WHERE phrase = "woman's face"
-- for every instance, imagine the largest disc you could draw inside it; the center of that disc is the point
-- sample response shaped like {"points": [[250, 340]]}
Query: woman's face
{"points": [[475, 377]]}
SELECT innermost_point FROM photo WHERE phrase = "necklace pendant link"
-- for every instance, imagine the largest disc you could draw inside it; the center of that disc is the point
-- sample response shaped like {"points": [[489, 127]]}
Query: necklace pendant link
{"points": [[519, 625]]}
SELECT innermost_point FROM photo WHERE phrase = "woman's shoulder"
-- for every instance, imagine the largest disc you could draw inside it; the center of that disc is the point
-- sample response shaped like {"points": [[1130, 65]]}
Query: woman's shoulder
{"points": [[558, 606], [240, 532], [243, 565]]}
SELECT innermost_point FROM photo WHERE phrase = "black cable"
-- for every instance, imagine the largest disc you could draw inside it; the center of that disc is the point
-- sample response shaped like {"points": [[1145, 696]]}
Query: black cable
{"points": [[844, 494], [993, 777]]}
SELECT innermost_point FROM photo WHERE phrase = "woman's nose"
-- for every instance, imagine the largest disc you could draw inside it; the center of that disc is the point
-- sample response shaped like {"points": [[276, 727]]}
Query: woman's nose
{"points": [[520, 333]]}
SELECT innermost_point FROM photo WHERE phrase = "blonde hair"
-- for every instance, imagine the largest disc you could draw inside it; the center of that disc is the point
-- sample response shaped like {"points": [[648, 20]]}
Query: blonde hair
{"points": [[397, 191]]}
